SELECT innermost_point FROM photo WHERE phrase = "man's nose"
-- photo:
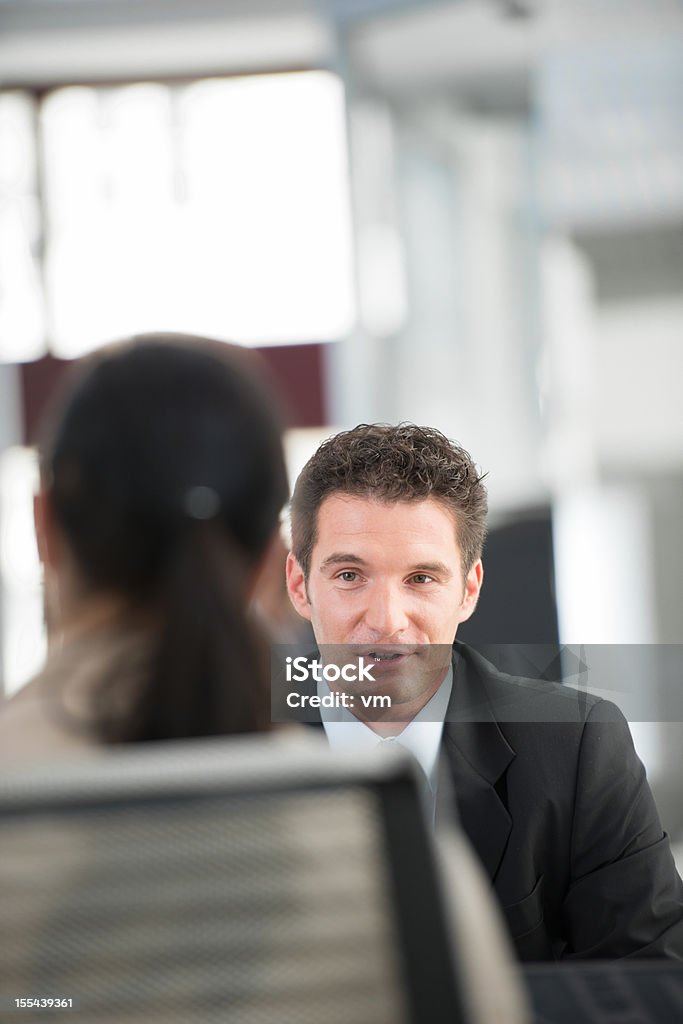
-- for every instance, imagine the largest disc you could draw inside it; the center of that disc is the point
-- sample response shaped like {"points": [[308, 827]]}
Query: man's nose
{"points": [[386, 614]]}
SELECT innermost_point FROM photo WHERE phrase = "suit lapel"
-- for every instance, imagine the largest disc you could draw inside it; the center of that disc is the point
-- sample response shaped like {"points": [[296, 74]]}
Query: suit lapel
{"points": [[477, 755]]}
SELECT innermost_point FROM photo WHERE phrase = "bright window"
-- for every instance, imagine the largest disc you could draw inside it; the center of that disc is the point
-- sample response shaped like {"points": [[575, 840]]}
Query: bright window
{"points": [[217, 207], [22, 324], [22, 629]]}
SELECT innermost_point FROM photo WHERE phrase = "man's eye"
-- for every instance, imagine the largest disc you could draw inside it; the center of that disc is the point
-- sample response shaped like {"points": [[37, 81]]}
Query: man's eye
{"points": [[348, 576], [422, 577]]}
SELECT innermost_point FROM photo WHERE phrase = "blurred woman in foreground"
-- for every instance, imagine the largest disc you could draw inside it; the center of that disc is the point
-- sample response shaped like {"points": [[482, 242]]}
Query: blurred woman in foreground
{"points": [[162, 480]]}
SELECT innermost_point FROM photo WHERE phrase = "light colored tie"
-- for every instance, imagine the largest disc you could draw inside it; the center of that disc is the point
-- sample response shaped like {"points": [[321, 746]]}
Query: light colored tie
{"points": [[425, 790]]}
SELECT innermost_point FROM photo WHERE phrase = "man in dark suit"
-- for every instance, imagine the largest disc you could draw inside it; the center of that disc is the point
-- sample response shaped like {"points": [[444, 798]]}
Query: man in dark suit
{"points": [[388, 525]]}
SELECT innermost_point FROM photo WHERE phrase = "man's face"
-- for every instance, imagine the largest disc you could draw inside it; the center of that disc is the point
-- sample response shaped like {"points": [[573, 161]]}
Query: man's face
{"points": [[387, 576]]}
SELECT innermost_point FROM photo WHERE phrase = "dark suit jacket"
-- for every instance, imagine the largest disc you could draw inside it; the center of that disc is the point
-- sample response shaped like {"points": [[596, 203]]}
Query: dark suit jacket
{"points": [[557, 806], [555, 801]]}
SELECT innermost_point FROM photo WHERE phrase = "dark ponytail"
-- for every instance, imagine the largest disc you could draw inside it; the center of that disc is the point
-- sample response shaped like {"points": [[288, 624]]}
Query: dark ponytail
{"points": [[209, 668], [167, 478]]}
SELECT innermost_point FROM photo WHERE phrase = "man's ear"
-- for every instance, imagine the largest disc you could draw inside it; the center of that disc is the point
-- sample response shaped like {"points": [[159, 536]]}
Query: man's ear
{"points": [[265, 580], [473, 582], [296, 587]]}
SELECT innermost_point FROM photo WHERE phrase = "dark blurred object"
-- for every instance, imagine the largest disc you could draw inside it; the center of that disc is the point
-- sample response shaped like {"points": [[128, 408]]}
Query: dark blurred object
{"points": [[621, 991], [40, 380], [296, 371], [519, 10], [515, 625]]}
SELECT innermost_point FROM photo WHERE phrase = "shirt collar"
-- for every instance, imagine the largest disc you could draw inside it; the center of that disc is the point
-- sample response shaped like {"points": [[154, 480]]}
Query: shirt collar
{"points": [[421, 736]]}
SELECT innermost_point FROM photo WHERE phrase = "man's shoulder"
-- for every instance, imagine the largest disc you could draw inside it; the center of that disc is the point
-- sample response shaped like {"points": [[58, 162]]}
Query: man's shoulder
{"points": [[511, 698]]}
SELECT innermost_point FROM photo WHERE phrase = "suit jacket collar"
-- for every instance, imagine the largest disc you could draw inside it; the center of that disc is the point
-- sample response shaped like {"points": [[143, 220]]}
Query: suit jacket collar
{"points": [[471, 706], [478, 757]]}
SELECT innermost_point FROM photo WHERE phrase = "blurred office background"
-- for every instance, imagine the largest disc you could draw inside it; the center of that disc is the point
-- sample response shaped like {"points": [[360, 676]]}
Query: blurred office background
{"points": [[466, 213]]}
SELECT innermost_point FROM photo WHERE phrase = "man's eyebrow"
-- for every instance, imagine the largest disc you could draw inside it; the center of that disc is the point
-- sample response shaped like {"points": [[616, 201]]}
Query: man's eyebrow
{"points": [[432, 569], [342, 558]]}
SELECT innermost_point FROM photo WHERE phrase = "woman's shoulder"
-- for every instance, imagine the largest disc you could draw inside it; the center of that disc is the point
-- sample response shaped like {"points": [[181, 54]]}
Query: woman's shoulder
{"points": [[31, 729]]}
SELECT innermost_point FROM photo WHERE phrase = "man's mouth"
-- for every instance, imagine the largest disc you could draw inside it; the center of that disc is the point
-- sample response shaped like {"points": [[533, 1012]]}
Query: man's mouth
{"points": [[384, 655], [388, 656]]}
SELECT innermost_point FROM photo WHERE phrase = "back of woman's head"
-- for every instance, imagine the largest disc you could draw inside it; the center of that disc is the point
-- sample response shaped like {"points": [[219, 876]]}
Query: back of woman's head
{"points": [[166, 478]]}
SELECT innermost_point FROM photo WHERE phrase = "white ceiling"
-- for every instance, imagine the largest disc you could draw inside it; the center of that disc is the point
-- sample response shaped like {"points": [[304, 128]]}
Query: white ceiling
{"points": [[45, 42]]}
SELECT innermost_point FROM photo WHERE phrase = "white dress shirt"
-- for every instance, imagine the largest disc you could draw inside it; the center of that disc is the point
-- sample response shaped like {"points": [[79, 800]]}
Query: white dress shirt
{"points": [[422, 736]]}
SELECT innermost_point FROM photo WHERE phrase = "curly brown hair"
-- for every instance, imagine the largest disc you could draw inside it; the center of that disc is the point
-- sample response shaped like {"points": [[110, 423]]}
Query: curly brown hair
{"points": [[391, 463]]}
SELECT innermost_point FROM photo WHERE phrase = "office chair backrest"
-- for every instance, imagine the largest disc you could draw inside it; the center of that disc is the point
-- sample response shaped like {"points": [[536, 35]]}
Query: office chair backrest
{"points": [[245, 882]]}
